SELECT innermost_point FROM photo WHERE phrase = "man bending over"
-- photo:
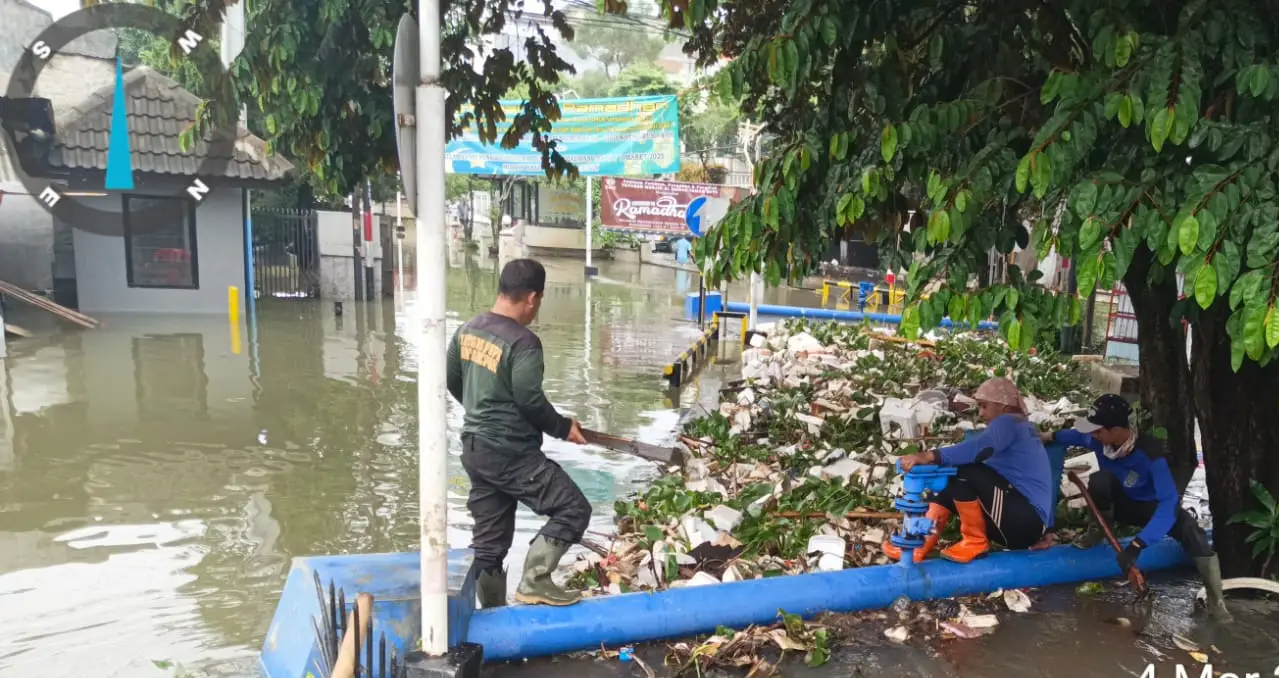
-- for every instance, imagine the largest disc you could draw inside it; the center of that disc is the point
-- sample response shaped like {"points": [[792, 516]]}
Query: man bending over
{"points": [[495, 370]]}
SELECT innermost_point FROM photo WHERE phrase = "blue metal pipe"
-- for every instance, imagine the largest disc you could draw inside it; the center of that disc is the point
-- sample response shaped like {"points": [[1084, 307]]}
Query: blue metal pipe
{"points": [[522, 631], [833, 314]]}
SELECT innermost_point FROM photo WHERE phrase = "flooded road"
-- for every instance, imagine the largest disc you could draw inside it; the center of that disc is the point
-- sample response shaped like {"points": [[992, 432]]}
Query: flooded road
{"points": [[154, 484]]}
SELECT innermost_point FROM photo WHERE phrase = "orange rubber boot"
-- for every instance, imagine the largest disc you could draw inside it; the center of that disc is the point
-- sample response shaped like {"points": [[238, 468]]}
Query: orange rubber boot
{"points": [[972, 525], [940, 517]]}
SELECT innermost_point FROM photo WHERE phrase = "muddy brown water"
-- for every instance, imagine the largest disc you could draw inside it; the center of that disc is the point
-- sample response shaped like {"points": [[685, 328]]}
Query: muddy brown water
{"points": [[154, 485]]}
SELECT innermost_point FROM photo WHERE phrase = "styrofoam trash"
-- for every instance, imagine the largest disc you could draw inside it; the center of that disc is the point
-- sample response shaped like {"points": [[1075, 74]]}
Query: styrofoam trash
{"points": [[831, 549]]}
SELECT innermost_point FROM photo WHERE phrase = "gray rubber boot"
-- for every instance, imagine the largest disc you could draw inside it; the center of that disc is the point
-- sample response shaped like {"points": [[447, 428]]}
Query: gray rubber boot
{"points": [[1210, 569], [491, 587], [537, 587]]}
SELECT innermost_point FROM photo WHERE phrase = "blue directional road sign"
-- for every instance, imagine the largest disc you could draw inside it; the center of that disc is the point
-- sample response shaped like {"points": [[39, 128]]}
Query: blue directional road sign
{"points": [[693, 217]]}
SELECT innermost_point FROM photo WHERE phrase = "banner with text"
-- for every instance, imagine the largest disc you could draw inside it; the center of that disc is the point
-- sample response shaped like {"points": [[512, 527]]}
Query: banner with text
{"points": [[631, 136], [656, 206]]}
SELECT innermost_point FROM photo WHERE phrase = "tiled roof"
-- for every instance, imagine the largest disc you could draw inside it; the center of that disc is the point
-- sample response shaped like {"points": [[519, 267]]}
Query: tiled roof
{"points": [[159, 111]]}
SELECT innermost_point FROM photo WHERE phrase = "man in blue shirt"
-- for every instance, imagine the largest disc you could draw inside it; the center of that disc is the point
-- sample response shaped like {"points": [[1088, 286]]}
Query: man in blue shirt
{"points": [[682, 249], [1135, 482]]}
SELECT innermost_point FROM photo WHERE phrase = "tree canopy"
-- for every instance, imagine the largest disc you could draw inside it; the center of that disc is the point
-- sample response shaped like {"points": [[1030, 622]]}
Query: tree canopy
{"points": [[1133, 137], [320, 73], [616, 45], [642, 79]]}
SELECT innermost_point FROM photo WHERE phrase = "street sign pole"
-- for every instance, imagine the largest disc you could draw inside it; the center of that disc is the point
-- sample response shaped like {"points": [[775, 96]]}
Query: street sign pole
{"points": [[418, 99]]}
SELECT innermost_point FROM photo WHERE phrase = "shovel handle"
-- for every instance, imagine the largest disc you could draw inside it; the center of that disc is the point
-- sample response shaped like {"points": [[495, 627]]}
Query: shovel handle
{"points": [[1134, 575]]}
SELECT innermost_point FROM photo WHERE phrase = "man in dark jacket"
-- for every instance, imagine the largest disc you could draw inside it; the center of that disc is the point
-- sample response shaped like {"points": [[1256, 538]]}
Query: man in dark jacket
{"points": [[495, 370], [1135, 482]]}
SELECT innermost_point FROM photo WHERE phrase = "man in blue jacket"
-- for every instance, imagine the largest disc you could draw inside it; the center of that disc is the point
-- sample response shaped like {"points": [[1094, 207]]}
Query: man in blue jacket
{"points": [[1135, 482]]}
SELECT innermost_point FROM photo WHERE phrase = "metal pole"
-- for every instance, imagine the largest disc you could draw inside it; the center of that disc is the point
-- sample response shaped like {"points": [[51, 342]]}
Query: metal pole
{"points": [[757, 288], [368, 241], [590, 226], [432, 246], [357, 243], [399, 245], [701, 299]]}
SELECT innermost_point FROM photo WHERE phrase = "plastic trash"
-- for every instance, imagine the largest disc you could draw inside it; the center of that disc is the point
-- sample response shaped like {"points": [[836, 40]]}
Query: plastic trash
{"points": [[831, 549], [626, 654]]}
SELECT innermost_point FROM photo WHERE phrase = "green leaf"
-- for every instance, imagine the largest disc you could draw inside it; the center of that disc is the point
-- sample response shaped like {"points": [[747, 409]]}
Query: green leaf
{"points": [[1125, 111], [961, 201], [1014, 334], [1023, 173], [1188, 236], [653, 533], [1125, 247], [1259, 80], [1090, 234], [1083, 200], [1254, 331], [1161, 127], [1042, 177], [888, 143], [1263, 495], [1205, 285], [830, 32], [1227, 262], [1123, 51], [934, 186], [1272, 328]]}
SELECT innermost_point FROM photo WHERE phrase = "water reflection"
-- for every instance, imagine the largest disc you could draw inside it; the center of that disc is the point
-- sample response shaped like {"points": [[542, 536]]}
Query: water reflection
{"points": [[155, 483]]}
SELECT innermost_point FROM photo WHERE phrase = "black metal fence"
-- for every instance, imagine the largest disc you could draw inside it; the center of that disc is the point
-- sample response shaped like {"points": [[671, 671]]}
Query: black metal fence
{"points": [[286, 254]]}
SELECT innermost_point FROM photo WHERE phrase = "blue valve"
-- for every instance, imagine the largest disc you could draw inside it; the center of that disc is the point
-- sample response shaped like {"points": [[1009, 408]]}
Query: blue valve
{"points": [[915, 526]]}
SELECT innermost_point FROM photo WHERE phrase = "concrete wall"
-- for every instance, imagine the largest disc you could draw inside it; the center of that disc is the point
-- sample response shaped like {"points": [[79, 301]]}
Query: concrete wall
{"points": [[102, 283], [337, 255], [555, 238]]}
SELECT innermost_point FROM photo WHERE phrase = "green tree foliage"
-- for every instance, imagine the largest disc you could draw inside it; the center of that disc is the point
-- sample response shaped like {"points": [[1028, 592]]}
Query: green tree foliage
{"points": [[642, 80], [1137, 136], [319, 71], [616, 44], [708, 120], [589, 85]]}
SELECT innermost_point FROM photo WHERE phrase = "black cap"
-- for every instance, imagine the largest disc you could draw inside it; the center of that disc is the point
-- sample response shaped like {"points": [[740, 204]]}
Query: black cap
{"points": [[1108, 411]]}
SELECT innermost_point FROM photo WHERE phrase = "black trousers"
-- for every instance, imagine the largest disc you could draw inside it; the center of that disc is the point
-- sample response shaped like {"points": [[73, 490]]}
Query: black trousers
{"points": [[1011, 520], [1108, 493], [500, 480]]}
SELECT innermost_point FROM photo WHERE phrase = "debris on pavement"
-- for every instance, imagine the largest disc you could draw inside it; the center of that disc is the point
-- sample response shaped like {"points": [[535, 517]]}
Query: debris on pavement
{"points": [[800, 456], [804, 453]]}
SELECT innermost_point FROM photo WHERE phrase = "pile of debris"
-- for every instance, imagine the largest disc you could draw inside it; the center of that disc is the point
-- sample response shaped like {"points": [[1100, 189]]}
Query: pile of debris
{"points": [[796, 470]]}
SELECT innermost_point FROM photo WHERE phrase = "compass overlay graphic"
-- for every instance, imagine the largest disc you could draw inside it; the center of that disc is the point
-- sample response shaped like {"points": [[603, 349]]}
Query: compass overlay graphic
{"points": [[50, 159]]}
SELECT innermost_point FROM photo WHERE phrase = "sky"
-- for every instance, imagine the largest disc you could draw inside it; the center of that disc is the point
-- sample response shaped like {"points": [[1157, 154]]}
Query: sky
{"points": [[58, 8]]}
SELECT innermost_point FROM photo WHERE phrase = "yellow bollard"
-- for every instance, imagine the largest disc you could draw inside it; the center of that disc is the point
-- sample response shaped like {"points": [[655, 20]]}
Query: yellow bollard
{"points": [[233, 317]]}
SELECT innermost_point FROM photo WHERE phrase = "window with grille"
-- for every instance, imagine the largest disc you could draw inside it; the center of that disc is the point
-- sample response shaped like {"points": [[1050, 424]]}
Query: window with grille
{"points": [[162, 256]]}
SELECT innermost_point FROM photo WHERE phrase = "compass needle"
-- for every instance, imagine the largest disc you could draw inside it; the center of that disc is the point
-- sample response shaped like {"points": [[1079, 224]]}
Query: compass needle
{"points": [[119, 155]]}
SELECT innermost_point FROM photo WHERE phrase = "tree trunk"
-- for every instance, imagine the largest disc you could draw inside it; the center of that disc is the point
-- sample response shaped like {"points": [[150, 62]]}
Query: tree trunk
{"points": [[1240, 428], [1164, 380], [1236, 411]]}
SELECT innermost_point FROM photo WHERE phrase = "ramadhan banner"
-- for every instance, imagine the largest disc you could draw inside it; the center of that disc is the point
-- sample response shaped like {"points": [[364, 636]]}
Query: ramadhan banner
{"points": [[633, 136], [656, 206]]}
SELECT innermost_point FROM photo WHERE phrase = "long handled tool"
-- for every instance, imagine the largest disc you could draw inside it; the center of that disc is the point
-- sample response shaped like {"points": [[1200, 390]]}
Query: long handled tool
{"points": [[1134, 575], [664, 455]]}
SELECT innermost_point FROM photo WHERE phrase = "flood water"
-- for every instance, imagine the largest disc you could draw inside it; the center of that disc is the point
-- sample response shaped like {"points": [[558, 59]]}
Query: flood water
{"points": [[154, 483]]}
